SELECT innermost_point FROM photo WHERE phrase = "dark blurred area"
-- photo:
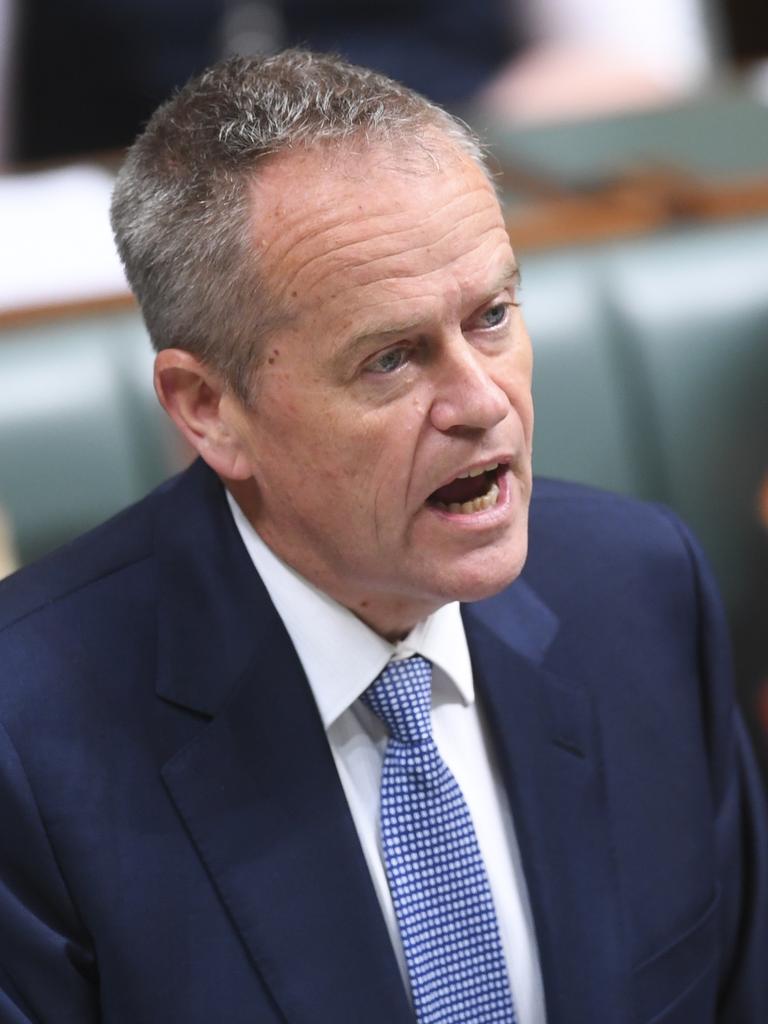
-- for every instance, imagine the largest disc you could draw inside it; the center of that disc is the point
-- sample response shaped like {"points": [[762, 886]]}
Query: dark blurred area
{"points": [[745, 26], [89, 73]]}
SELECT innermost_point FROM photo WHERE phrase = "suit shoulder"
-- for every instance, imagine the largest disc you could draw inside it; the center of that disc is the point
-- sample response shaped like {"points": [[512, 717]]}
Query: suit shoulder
{"points": [[547, 491], [106, 550], [599, 517], [601, 539]]}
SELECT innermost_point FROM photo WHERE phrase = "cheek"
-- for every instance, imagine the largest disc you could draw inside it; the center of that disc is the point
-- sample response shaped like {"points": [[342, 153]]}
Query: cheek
{"points": [[516, 383], [376, 470], [526, 415], [520, 371]]}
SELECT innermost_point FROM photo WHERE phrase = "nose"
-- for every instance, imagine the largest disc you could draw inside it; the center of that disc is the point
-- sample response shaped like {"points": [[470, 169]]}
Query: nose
{"points": [[466, 393]]}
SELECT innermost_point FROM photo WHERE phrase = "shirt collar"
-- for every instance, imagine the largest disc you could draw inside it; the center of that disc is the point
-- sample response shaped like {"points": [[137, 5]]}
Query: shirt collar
{"points": [[341, 656]]}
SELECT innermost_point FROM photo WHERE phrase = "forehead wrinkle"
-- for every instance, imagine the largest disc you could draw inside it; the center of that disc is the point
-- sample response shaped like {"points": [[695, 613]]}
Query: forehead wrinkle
{"points": [[491, 240], [398, 255], [461, 283], [285, 242], [398, 262], [459, 292]]}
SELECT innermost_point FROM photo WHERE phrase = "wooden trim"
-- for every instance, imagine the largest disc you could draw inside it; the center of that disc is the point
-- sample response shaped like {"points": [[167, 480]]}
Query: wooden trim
{"points": [[21, 316], [637, 203]]}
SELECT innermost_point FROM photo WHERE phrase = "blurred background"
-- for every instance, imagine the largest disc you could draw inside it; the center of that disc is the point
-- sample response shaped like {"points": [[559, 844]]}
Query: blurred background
{"points": [[631, 147]]}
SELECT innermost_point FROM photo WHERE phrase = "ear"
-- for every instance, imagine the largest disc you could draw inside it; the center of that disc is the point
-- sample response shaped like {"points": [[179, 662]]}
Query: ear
{"points": [[203, 410]]}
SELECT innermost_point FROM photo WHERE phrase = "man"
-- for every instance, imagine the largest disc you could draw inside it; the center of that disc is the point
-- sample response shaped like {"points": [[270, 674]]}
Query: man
{"points": [[258, 764]]}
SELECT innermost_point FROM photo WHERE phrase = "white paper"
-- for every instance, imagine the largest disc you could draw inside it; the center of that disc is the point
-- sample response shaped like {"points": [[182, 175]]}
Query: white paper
{"points": [[56, 242]]}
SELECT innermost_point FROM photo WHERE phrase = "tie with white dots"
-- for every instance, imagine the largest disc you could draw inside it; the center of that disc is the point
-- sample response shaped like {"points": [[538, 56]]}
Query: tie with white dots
{"points": [[435, 870]]}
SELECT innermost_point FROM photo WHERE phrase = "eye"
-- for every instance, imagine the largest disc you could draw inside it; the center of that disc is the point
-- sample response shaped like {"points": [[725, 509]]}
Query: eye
{"points": [[390, 361], [495, 315]]}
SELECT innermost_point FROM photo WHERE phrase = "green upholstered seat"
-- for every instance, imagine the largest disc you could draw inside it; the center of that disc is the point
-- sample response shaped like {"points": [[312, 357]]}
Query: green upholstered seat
{"points": [[693, 310], [581, 431], [79, 437], [651, 376]]}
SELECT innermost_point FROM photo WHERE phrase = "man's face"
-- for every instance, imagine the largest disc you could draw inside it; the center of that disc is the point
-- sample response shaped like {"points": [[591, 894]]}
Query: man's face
{"points": [[400, 365]]}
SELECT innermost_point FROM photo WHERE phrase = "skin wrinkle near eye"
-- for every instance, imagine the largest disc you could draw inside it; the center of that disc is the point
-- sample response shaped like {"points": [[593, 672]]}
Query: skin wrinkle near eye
{"points": [[389, 386], [509, 277], [408, 351], [417, 350], [498, 331]]}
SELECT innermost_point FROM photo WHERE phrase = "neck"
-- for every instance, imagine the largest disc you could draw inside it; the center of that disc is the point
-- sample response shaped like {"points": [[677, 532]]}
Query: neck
{"points": [[392, 623], [387, 613]]}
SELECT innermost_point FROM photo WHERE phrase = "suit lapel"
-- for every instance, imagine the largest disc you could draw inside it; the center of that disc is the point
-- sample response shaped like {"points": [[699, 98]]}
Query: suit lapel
{"points": [[258, 789], [546, 736]]}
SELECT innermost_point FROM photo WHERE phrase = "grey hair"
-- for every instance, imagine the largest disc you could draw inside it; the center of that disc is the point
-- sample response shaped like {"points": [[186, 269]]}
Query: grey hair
{"points": [[181, 210]]}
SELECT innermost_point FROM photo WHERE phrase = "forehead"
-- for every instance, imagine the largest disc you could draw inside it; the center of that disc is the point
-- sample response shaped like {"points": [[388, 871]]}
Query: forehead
{"points": [[329, 223]]}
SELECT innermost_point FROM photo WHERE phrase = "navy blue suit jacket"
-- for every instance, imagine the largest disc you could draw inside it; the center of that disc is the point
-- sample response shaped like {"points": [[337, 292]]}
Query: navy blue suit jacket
{"points": [[176, 846]]}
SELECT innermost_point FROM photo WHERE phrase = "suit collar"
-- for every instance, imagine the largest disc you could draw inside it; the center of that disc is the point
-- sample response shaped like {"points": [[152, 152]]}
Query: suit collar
{"points": [[518, 619], [546, 734], [257, 788], [213, 610]]}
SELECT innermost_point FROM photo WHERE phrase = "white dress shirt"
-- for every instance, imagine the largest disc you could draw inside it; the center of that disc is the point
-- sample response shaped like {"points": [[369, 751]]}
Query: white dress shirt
{"points": [[341, 657]]}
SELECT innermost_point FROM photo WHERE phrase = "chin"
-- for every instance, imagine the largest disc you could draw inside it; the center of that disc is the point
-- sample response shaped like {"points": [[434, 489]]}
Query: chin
{"points": [[489, 576]]}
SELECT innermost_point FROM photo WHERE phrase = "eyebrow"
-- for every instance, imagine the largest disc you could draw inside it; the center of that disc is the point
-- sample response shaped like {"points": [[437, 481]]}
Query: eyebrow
{"points": [[509, 275]]}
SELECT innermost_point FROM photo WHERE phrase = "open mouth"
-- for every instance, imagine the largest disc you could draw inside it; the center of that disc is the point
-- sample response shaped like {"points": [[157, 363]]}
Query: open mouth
{"points": [[474, 491]]}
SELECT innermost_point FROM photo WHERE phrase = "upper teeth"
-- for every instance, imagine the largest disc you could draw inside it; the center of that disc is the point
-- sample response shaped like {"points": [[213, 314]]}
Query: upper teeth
{"points": [[478, 472]]}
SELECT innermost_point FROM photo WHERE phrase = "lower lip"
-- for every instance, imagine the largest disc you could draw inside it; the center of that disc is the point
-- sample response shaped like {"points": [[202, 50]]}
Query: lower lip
{"points": [[497, 514]]}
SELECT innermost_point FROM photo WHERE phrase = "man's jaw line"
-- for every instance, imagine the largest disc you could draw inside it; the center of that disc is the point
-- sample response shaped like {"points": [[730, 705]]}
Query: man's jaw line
{"points": [[393, 617], [393, 614]]}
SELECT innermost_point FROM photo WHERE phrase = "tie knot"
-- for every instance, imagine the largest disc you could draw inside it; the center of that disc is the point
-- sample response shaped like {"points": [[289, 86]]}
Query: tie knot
{"points": [[401, 696]]}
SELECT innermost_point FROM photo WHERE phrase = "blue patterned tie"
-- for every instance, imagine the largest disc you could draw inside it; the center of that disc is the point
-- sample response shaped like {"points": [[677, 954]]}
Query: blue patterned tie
{"points": [[434, 866]]}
